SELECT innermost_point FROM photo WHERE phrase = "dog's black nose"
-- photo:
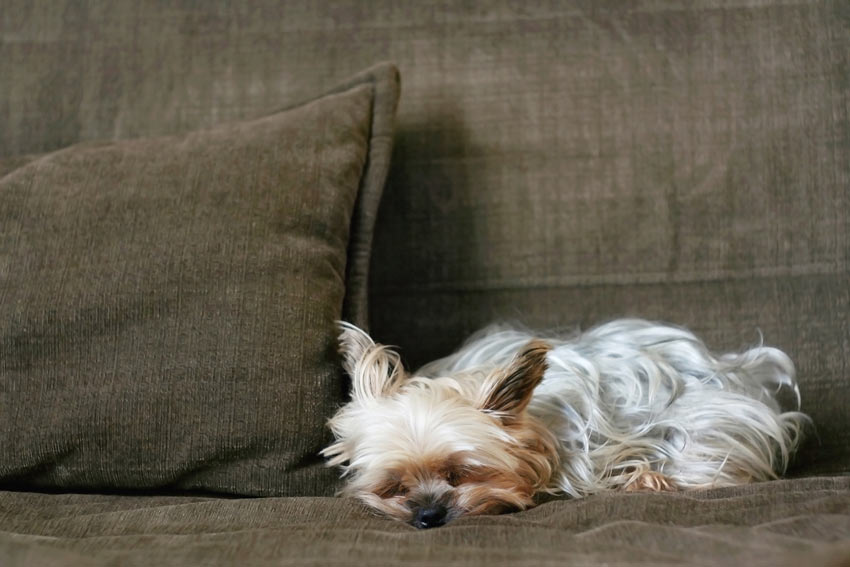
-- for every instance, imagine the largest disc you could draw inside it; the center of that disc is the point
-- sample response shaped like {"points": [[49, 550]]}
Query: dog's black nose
{"points": [[430, 517]]}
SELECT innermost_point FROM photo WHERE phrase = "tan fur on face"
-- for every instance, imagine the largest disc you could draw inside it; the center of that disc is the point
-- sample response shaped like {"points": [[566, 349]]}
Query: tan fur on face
{"points": [[497, 491], [463, 488], [464, 443]]}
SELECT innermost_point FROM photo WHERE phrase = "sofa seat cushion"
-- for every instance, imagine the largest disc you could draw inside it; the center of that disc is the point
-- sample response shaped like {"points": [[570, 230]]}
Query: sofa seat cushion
{"points": [[774, 523]]}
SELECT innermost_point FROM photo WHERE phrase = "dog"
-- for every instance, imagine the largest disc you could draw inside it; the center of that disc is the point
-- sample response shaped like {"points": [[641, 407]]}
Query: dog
{"points": [[628, 405]]}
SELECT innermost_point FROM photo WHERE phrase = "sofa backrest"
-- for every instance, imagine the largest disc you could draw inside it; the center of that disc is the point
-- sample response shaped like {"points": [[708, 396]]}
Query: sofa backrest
{"points": [[556, 163]]}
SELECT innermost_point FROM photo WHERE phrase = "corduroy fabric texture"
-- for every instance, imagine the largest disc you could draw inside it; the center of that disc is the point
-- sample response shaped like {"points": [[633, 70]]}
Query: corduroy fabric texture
{"points": [[560, 163], [800, 522], [168, 305], [574, 162]]}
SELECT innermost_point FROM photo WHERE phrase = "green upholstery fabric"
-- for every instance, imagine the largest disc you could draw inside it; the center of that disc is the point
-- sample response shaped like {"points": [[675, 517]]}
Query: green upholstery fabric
{"points": [[560, 163]]}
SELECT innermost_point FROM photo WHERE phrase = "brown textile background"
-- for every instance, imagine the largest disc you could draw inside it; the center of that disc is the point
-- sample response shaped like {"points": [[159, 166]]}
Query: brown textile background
{"points": [[557, 162], [572, 162], [168, 305], [800, 522]]}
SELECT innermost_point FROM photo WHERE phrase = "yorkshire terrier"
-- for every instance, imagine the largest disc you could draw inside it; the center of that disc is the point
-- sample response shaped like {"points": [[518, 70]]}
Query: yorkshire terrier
{"points": [[629, 405]]}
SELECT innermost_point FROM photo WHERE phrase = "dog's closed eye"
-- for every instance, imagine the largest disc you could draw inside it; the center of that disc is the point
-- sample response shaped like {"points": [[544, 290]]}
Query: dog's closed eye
{"points": [[456, 476], [391, 487], [459, 475]]}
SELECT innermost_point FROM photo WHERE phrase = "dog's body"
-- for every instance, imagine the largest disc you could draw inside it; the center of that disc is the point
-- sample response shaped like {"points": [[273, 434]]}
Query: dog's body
{"points": [[629, 404]]}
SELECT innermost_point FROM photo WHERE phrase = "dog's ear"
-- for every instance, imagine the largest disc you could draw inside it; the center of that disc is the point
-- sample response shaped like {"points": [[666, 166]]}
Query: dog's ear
{"points": [[375, 369], [506, 393]]}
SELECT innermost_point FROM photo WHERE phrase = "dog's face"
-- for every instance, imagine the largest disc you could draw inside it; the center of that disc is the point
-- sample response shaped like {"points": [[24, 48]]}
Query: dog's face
{"points": [[427, 450]]}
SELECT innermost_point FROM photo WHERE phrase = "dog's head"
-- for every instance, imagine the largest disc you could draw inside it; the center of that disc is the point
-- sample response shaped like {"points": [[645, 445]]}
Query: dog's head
{"points": [[427, 450]]}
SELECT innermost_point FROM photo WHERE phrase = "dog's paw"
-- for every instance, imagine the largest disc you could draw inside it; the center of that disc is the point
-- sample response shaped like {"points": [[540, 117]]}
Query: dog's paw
{"points": [[649, 481]]}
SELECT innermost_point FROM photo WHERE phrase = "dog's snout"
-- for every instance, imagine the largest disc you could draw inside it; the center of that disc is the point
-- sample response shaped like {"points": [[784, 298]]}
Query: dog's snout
{"points": [[430, 516]]}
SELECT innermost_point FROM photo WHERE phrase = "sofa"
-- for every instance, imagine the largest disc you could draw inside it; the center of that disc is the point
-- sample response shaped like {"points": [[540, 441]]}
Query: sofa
{"points": [[193, 192]]}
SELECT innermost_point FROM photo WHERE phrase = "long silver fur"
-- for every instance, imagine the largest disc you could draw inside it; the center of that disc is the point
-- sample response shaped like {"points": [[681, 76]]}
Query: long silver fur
{"points": [[633, 396]]}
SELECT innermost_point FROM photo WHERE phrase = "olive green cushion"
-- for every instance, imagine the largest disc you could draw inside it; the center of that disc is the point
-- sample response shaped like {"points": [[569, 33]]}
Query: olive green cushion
{"points": [[168, 304]]}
